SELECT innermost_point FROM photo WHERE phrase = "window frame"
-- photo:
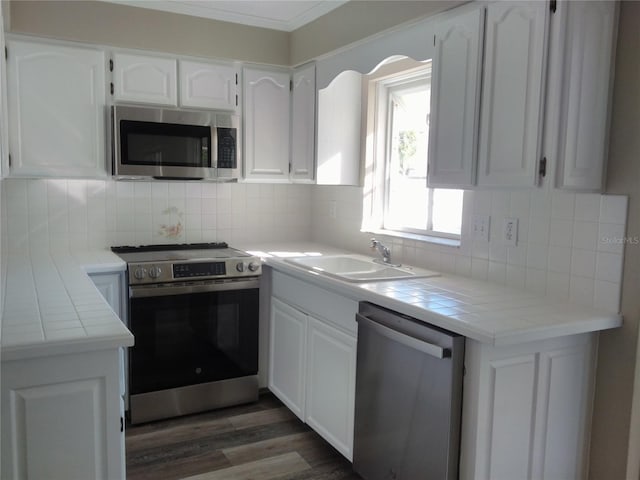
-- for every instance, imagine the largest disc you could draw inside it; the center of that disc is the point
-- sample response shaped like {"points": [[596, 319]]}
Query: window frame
{"points": [[379, 118]]}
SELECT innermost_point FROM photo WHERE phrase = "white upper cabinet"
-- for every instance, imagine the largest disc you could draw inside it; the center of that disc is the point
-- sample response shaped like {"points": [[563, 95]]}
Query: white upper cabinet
{"points": [[455, 98], [266, 124], [512, 96], [589, 29], [208, 85], [56, 103], [303, 112], [339, 130], [145, 79]]}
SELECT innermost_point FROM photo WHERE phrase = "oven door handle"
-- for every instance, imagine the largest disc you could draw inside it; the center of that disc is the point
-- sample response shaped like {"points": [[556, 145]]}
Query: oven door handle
{"points": [[163, 291]]}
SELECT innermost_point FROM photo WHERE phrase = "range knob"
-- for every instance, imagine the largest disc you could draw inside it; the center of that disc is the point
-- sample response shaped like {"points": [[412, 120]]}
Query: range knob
{"points": [[253, 266], [155, 271], [240, 267], [140, 273]]}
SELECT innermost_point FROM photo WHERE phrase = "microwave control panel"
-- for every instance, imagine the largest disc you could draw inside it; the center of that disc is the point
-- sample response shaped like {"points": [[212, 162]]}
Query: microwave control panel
{"points": [[227, 147]]}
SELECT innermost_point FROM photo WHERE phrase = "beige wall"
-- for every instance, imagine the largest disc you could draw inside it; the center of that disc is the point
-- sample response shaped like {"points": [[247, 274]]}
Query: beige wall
{"points": [[356, 20], [131, 27], [617, 355]]}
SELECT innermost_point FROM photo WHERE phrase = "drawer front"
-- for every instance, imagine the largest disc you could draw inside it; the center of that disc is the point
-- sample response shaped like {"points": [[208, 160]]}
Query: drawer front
{"points": [[335, 309]]}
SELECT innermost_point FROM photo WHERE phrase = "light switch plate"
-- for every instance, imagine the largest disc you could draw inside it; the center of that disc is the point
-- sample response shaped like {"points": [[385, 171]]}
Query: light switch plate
{"points": [[481, 227], [510, 231]]}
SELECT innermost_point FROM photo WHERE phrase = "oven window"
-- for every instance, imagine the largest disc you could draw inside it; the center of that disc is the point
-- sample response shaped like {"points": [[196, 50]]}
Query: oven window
{"points": [[149, 143], [194, 338]]}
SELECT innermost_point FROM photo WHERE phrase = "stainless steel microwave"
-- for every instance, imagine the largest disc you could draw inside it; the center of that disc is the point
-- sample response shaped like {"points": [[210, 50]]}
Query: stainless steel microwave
{"points": [[174, 144]]}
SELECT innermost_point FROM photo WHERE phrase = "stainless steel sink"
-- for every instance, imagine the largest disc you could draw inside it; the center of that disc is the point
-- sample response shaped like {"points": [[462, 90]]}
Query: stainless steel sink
{"points": [[358, 268]]}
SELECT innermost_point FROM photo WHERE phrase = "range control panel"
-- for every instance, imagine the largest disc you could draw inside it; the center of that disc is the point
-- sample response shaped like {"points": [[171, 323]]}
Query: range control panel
{"points": [[205, 269], [141, 273]]}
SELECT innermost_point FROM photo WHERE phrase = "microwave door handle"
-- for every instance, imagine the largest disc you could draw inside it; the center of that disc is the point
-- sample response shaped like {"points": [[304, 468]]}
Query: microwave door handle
{"points": [[214, 146]]}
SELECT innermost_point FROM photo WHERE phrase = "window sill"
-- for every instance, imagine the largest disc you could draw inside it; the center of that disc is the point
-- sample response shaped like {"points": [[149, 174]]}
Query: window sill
{"points": [[449, 242]]}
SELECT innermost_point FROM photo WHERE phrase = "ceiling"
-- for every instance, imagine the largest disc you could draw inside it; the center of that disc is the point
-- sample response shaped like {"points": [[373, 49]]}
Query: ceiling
{"points": [[286, 15]]}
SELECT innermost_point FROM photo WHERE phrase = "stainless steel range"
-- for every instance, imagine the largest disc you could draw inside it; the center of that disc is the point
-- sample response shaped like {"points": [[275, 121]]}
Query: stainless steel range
{"points": [[193, 310]]}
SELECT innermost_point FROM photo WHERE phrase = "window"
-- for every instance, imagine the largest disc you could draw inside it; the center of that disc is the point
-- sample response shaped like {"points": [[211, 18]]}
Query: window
{"points": [[398, 141]]}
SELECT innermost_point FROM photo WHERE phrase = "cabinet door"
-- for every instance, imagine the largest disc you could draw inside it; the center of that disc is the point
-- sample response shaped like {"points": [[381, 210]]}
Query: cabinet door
{"points": [[143, 79], [110, 287], [526, 409], [57, 110], [339, 127], [66, 417], [588, 55], [331, 380], [206, 85], [266, 124], [303, 124], [455, 99], [288, 330], [512, 96]]}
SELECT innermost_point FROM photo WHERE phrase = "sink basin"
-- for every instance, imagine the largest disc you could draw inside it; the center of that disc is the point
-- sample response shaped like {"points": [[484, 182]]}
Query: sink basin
{"points": [[358, 268]]}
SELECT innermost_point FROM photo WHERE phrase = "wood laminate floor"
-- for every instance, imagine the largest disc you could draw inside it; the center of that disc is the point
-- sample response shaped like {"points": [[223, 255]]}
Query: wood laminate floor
{"points": [[259, 441]]}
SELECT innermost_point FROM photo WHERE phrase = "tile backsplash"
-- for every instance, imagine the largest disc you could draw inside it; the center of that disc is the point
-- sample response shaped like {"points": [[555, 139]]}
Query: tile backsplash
{"points": [[570, 246], [62, 214]]}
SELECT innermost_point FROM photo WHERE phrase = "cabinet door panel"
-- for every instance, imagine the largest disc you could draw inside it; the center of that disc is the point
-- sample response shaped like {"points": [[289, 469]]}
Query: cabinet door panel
{"points": [[303, 124], [266, 122], [331, 385], [143, 79], [288, 330], [57, 429], [564, 408], [512, 96], [589, 37], [57, 110], [205, 85], [455, 95], [339, 125], [511, 417]]}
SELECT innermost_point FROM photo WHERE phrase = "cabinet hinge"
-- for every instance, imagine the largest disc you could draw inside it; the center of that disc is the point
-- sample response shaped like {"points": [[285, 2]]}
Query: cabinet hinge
{"points": [[111, 64], [10, 160], [236, 78], [434, 40], [122, 424], [542, 168], [553, 5], [289, 167], [111, 88], [6, 53], [236, 100], [291, 85]]}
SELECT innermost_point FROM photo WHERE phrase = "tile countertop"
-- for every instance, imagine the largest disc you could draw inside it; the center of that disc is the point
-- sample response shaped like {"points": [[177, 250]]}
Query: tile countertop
{"points": [[484, 311], [52, 307]]}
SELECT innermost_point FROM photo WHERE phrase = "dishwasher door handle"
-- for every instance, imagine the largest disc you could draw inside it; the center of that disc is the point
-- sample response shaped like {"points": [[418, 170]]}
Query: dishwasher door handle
{"points": [[412, 342]]}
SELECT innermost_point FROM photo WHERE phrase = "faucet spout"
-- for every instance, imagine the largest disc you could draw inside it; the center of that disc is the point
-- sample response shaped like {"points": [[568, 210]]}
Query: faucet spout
{"points": [[384, 252]]}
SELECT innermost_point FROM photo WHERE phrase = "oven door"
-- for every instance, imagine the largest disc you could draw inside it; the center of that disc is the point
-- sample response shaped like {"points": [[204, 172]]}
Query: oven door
{"points": [[192, 334]]}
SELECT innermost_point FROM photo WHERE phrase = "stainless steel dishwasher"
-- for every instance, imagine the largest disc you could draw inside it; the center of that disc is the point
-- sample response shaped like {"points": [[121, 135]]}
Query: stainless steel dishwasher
{"points": [[408, 398]]}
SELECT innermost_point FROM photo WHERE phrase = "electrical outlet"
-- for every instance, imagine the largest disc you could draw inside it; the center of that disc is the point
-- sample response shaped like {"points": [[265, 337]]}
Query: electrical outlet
{"points": [[510, 231], [333, 209], [481, 227]]}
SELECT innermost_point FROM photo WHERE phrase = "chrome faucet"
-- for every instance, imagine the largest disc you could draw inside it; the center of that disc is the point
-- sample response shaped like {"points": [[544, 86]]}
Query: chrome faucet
{"points": [[384, 252]]}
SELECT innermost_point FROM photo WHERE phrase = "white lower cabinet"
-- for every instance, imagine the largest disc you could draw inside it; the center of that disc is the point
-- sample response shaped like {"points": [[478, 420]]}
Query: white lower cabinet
{"points": [[312, 361], [527, 409], [331, 374], [288, 329], [64, 417]]}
